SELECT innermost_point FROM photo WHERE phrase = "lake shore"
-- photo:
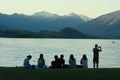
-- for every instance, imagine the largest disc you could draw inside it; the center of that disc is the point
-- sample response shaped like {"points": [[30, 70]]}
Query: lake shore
{"points": [[12, 73]]}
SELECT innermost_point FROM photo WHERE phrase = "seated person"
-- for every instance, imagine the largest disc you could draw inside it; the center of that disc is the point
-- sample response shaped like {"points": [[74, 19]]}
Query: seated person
{"points": [[72, 62], [41, 62], [26, 63], [62, 61], [84, 61], [56, 63]]}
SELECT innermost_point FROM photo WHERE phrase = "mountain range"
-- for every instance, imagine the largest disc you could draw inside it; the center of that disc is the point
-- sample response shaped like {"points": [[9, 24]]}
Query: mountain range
{"points": [[40, 21], [104, 26]]}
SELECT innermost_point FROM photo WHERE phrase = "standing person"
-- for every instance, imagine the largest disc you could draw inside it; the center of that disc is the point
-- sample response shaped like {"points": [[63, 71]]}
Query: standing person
{"points": [[84, 61], [72, 61], [26, 63], [96, 51], [41, 62]]}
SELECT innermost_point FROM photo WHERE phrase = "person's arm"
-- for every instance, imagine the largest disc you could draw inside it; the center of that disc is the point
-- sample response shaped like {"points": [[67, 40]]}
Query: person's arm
{"points": [[100, 49], [27, 63], [69, 61], [43, 61], [63, 62], [81, 61], [75, 61]]}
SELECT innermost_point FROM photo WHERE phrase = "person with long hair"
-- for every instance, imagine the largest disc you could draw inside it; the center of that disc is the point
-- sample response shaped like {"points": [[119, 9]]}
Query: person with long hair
{"points": [[72, 62], [41, 62], [84, 61]]}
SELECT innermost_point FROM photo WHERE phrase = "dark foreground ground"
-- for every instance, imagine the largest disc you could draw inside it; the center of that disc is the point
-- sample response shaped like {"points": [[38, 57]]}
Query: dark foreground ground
{"points": [[59, 74]]}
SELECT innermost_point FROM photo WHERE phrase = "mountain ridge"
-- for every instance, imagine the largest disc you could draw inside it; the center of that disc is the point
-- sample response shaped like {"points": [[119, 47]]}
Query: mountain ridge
{"points": [[107, 25], [104, 26], [39, 21]]}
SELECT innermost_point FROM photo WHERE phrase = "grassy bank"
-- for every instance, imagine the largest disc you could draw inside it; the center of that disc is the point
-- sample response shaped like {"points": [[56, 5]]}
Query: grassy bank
{"points": [[59, 74]]}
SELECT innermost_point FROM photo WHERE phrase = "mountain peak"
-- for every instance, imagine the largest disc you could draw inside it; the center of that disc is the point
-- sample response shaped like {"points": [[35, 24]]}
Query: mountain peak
{"points": [[17, 14], [45, 14], [42, 13], [84, 18], [73, 14]]}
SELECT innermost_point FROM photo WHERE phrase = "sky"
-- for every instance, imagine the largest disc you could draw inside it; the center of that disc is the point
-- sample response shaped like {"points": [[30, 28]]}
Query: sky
{"points": [[90, 8]]}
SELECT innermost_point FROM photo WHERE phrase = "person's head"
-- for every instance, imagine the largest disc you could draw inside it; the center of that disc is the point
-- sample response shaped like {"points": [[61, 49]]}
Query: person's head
{"points": [[41, 55], [62, 56], [71, 56], [84, 57], [96, 45], [29, 57], [56, 57]]}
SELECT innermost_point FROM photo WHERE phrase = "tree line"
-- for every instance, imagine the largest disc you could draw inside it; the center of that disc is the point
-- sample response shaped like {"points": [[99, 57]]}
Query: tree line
{"points": [[63, 33]]}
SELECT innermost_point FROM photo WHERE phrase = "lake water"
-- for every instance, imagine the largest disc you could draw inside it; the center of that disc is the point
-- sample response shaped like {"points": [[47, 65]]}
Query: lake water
{"points": [[14, 50]]}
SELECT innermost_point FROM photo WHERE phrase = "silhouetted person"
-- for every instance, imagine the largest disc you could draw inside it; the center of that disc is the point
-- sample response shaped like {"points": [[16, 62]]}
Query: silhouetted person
{"points": [[84, 61], [72, 62], [56, 63], [26, 63], [41, 62], [62, 61], [96, 51]]}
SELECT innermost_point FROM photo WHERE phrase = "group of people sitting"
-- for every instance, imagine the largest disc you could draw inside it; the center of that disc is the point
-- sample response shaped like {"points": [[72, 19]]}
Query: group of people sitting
{"points": [[41, 62], [57, 63]]}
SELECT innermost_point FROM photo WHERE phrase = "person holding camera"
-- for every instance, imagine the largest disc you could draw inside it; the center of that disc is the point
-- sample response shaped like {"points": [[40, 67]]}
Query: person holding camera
{"points": [[96, 51]]}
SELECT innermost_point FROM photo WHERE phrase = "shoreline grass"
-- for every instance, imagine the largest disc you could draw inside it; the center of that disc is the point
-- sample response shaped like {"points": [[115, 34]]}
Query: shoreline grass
{"points": [[59, 74]]}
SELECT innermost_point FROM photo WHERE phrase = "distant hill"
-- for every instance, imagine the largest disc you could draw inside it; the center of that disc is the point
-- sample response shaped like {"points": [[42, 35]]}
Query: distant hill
{"points": [[63, 33], [105, 26], [40, 21]]}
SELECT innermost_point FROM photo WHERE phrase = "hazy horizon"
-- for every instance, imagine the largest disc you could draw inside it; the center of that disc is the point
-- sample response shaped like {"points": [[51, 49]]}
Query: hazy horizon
{"points": [[54, 13], [88, 8]]}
